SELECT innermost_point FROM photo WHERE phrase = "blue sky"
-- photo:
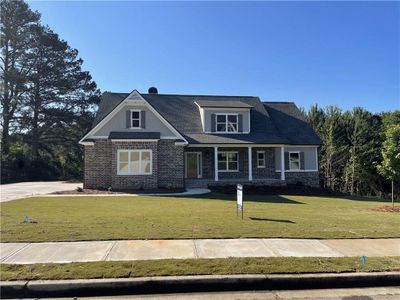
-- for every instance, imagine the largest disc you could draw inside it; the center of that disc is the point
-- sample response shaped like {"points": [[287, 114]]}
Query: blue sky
{"points": [[343, 53]]}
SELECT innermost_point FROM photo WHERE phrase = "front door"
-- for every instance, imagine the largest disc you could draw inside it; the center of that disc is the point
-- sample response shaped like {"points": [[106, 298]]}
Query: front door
{"points": [[193, 164]]}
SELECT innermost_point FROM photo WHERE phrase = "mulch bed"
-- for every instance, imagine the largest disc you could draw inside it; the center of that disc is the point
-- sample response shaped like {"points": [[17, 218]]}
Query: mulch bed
{"points": [[107, 192], [386, 208]]}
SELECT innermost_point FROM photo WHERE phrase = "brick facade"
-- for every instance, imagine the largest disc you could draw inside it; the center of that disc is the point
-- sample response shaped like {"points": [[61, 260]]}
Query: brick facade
{"points": [[98, 165], [101, 166], [168, 167], [306, 178], [171, 165]]}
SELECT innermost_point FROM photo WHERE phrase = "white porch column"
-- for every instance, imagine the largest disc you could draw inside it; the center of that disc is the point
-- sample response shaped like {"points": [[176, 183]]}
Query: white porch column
{"points": [[216, 163], [250, 164], [282, 163]]}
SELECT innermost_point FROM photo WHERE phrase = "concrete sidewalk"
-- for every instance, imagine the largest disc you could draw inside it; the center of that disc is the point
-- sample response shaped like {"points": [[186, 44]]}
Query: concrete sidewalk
{"points": [[64, 252]]}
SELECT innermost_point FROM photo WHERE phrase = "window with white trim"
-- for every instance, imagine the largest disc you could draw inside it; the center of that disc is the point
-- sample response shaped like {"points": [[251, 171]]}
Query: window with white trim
{"points": [[135, 118], [260, 159], [134, 162], [228, 161], [294, 160], [226, 123]]}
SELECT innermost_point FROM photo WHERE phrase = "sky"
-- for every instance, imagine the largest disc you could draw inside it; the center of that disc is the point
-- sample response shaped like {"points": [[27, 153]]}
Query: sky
{"points": [[325, 53]]}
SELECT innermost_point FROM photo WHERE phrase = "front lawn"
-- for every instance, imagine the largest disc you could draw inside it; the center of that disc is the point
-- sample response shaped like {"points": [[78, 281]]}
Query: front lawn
{"points": [[181, 267], [209, 216]]}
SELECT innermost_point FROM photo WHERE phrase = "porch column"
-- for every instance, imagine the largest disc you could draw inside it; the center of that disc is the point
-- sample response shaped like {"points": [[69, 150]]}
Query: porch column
{"points": [[250, 164], [216, 163], [282, 163]]}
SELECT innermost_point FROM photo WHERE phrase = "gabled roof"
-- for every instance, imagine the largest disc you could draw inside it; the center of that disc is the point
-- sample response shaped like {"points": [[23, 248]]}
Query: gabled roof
{"points": [[291, 123], [271, 123]]}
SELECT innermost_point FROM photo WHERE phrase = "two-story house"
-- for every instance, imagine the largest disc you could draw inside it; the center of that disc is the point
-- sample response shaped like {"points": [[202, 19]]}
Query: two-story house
{"points": [[150, 141]]}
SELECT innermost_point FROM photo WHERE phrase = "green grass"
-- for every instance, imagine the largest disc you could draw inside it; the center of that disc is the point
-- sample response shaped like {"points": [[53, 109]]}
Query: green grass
{"points": [[171, 267], [209, 216]]}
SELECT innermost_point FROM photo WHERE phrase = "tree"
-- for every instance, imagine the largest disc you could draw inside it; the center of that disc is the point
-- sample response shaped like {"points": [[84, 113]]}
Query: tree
{"points": [[17, 21], [390, 166]]}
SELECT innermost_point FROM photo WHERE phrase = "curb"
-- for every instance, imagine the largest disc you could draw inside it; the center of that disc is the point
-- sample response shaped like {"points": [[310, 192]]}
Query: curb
{"points": [[187, 284]]}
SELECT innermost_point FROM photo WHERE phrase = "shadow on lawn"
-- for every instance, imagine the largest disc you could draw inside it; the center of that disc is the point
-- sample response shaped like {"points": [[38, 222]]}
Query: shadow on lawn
{"points": [[249, 198], [272, 220]]}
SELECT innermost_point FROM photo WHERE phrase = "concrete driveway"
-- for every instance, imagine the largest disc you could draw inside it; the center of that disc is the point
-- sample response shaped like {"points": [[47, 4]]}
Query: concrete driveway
{"points": [[14, 191]]}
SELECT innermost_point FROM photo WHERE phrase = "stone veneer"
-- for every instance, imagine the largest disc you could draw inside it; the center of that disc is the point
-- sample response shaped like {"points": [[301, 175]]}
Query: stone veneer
{"points": [[101, 166]]}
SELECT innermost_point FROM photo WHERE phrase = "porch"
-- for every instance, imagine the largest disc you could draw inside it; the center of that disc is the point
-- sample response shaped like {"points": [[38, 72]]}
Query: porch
{"points": [[234, 164]]}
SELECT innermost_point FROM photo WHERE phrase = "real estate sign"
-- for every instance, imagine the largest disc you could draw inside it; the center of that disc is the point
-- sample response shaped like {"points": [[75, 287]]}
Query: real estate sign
{"points": [[239, 199]]}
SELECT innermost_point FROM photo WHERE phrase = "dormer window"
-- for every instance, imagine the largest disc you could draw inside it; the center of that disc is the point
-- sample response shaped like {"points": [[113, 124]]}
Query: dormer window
{"points": [[226, 123], [135, 119]]}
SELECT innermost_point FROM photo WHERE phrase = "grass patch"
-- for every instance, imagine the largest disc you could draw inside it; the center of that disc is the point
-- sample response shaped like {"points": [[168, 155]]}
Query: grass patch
{"points": [[181, 267], [209, 216]]}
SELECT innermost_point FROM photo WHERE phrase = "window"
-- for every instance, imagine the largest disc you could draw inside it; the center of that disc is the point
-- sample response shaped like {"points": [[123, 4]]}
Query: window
{"points": [[135, 118], [226, 123], [294, 160], [134, 162], [228, 161], [260, 159]]}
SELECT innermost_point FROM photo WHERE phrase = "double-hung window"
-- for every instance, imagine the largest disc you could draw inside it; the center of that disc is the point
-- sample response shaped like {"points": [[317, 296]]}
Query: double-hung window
{"points": [[135, 118], [134, 162], [260, 159], [294, 160], [226, 123], [228, 161]]}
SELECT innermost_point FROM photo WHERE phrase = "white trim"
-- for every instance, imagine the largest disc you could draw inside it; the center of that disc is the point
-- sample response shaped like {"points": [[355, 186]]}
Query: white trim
{"points": [[250, 154], [199, 163], [99, 137], [298, 146], [201, 110], [236, 145], [316, 158], [263, 165], [282, 162], [87, 143], [296, 171], [130, 151], [226, 123], [216, 163], [134, 140], [227, 161], [140, 118], [297, 152], [128, 101], [222, 109], [229, 132]]}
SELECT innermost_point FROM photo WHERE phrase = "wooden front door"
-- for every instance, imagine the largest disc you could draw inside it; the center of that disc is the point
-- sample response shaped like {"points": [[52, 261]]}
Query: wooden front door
{"points": [[193, 165]]}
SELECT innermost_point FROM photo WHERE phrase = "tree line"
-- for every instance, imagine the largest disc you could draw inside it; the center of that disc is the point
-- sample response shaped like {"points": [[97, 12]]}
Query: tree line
{"points": [[47, 99], [361, 150]]}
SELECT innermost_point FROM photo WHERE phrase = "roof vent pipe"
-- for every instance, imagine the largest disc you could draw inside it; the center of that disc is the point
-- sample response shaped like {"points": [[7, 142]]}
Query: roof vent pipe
{"points": [[153, 90]]}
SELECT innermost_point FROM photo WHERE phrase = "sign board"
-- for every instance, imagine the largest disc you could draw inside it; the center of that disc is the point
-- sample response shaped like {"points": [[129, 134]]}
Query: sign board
{"points": [[239, 199]]}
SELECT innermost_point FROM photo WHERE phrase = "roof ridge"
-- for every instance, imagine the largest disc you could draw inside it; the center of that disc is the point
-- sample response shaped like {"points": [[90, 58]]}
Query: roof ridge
{"points": [[192, 95]]}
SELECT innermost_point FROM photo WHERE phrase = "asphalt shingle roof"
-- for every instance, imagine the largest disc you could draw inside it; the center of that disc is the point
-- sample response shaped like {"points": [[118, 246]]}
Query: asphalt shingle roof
{"points": [[133, 135], [271, 122]]}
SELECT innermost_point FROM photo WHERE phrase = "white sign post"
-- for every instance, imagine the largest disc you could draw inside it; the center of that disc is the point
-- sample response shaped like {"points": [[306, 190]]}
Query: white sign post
{"points": [[239, 199]]}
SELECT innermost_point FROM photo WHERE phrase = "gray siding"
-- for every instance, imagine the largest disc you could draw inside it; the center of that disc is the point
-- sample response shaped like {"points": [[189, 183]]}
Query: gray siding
{"points": [[118, 123], [208, 112], [310, 159]]}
